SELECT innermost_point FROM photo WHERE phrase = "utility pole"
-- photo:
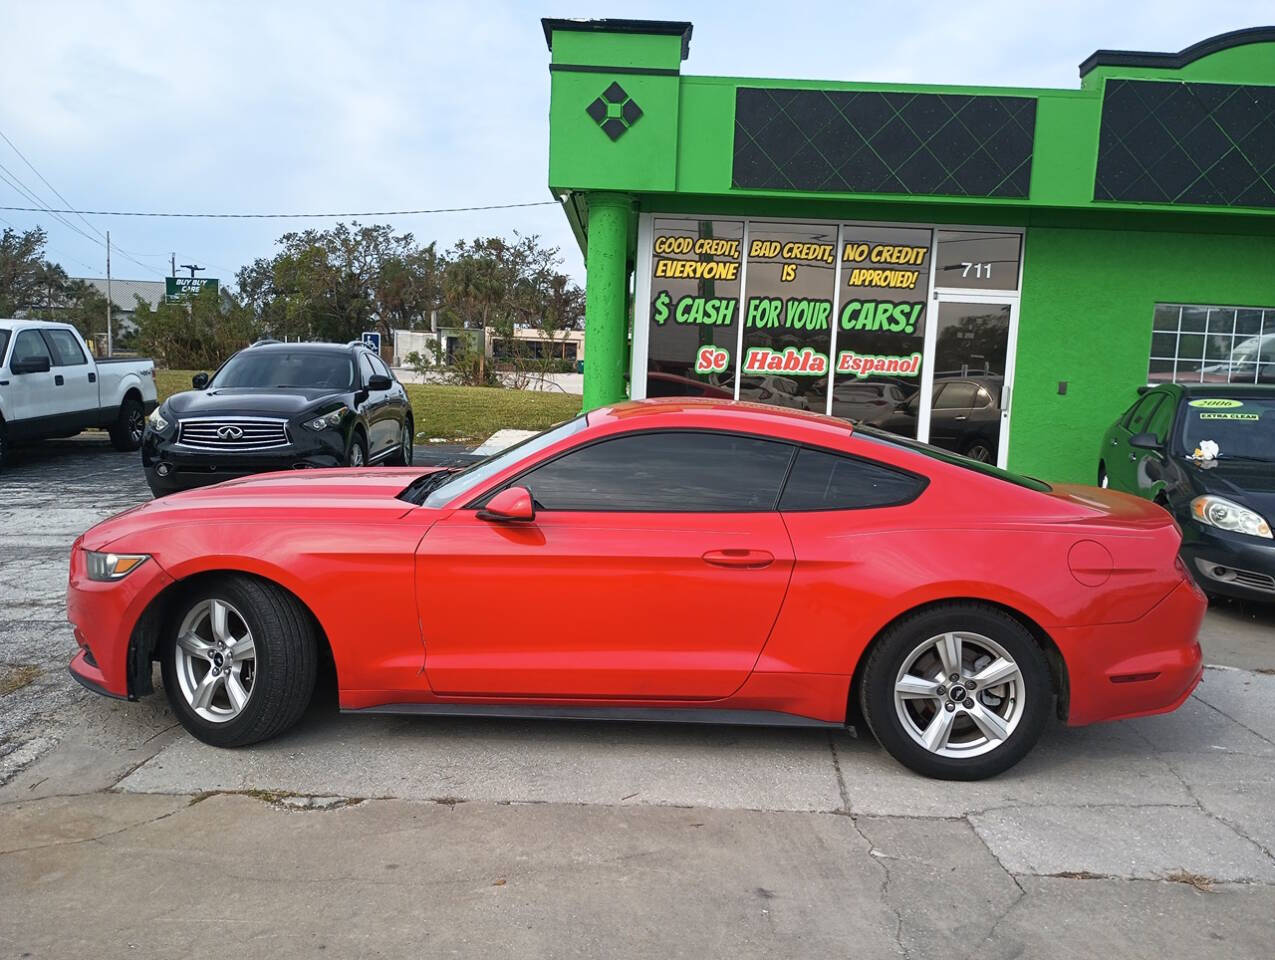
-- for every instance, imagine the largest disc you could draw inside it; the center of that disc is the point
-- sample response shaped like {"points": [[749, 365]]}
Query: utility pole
{"points": [[190, 303], [192, 267], [173, 261], [109, 344]]}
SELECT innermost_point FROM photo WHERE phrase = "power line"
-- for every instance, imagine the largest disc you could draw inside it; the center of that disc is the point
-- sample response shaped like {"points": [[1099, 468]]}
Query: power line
{"points": [[285, 216], [15, 149]]}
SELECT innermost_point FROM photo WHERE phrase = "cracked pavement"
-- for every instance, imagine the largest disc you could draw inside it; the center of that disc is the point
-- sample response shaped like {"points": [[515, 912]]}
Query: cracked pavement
{"points": [[398, 836]]}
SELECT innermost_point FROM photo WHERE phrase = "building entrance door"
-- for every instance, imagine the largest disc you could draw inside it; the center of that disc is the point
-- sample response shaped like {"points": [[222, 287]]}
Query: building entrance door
{"points": [[971, 364]]}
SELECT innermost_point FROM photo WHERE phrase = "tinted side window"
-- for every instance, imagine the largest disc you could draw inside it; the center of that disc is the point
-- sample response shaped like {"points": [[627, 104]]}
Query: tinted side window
{"points": [[365, 366], [379, 366], [1161, 422], [959, 394], [66, 351], [29, 344], [826, 481], [665, 472], [1143, 412]]}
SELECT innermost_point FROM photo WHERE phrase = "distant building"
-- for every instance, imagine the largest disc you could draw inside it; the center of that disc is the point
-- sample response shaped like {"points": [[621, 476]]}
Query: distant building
{"points": [[124, 294]]}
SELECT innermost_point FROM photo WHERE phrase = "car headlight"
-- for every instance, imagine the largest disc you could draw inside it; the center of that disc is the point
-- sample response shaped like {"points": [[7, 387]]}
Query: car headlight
{"points": [[1225, 514], [157, 421], [113, 566], [330, 419]]}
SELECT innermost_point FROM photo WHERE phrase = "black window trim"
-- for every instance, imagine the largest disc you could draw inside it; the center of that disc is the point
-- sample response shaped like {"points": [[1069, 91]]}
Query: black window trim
{"points": [[479, 502], [796, 447]]}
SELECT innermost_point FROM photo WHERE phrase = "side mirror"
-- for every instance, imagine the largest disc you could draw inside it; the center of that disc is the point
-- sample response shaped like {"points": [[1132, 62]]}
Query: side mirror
{"points": [[511, 504], [199, 381], [1145, 441], [30, 365], [379, 381]]}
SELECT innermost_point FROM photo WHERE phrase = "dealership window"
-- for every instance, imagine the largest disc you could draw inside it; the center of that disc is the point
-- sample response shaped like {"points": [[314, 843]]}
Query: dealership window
{"points": [[694, 307], [1194, 343], [673, 472]]}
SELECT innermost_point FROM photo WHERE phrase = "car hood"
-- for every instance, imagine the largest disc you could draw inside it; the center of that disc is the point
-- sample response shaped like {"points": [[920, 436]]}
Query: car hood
{"points": [[343, 494], [1246, 482], [250, 401]]}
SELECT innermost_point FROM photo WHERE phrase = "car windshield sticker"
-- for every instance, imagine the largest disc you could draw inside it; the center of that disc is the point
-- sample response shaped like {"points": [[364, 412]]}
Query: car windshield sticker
{"points": [[1216, 403], [1230, 416]]}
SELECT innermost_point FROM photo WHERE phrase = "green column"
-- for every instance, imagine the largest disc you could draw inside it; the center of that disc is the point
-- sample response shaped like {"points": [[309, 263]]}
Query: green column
{"points": [[607, 283]]}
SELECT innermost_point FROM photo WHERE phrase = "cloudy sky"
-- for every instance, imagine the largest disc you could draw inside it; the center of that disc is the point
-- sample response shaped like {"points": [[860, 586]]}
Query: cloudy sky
{"points": [[323, 106]]}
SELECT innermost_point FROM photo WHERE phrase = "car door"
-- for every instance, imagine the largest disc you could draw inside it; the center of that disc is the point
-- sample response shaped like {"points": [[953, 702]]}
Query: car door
{"points": [[1149, 465], [950, 413], [1121, 458], [394, 406], [35, 398], [654, 569], [74, 377], [373, 408]]}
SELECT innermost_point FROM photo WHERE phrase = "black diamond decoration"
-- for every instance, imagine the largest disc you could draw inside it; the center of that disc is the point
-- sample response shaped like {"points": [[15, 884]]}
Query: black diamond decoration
{"points": [[597, 110], [1174, 142], [601, 110], [874, 142]]}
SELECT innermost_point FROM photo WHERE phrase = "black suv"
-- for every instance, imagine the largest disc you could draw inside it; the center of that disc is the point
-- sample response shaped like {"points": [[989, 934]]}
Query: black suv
{"points": [[279, 406]]}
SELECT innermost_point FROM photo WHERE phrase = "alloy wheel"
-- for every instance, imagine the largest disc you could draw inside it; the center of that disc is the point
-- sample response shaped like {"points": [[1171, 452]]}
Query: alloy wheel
{"points": [[408, 440], [216, 660], [136, 425], [356, 455], [959, 694]]}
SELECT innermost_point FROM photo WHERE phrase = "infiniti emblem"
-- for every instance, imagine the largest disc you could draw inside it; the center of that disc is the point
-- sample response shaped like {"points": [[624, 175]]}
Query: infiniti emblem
{"points": [[230, 432]]}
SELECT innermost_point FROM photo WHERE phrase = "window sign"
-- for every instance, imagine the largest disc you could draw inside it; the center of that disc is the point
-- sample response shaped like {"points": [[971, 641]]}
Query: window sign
{"points": [[978, 260], [885, 280], [696, 268], [788, 314]]}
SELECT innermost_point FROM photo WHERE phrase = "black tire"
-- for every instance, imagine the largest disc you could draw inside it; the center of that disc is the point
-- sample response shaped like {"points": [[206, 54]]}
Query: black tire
{"points": [[356, 456], [403, 458], [126, 432], [1104, 480], [286, 661], [893, 647]]}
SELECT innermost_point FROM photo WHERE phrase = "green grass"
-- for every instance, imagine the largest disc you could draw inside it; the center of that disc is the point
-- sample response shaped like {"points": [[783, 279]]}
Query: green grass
{"points": [[451, 413]]}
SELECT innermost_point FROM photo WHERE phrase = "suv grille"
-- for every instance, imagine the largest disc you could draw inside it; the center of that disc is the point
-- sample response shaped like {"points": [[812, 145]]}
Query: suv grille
{"points": [[233, 433]]}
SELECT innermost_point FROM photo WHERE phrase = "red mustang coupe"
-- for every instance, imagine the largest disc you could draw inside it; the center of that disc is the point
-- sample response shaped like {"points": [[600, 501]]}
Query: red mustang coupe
{"points": [[668, 559]]}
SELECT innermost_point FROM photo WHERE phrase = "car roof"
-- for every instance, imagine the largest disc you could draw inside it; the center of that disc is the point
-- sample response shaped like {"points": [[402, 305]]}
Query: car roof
{"points": [[1226, 389], [299, 345], [725, 415]]}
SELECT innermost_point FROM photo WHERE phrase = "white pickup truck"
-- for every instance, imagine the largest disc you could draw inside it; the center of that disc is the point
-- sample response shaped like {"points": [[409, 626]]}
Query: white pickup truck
{"points": [[50, 386]]}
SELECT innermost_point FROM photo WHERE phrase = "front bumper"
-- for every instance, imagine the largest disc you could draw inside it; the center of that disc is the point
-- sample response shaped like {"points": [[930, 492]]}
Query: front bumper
{"points": [[1228, 563], [103, 615], [1147, 666], [171, 467]]}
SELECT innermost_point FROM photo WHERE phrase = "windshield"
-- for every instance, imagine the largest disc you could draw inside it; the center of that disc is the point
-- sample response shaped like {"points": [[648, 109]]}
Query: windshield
{"points": [[287, 368], [1241, 428], [937, 453], [473, 475]]}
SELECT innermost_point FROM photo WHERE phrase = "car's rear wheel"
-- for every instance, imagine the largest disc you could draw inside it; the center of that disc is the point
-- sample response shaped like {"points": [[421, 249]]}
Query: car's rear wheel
{"points": [[1104, 481], [957, 692], [981, 451], [239, 657], [126, 432]]}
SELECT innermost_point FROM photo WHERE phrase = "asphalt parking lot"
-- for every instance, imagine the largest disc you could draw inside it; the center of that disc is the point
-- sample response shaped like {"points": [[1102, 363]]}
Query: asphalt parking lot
{"points": [[121, 836]]}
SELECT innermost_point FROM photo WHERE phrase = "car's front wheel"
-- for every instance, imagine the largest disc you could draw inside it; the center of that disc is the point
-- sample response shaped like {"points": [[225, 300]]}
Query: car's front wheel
{"points": [[239, 657], [356, 456], [957, 692], [126, 432]]}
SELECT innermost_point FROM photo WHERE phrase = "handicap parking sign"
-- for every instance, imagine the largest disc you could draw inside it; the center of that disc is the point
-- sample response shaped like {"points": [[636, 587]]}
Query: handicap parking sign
{"points": [[372, 340]]}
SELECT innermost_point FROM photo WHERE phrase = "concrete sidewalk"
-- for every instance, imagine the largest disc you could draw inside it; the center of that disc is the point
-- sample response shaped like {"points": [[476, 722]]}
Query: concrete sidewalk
{"points": [[396, 836]]}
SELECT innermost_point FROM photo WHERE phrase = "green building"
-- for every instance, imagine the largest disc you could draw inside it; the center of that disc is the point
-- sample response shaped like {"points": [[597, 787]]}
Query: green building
{"points": [[995, 270]]}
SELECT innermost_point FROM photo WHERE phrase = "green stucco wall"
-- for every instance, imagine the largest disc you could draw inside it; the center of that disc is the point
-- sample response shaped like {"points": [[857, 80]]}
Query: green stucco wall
{"points": [[1085, 318]]}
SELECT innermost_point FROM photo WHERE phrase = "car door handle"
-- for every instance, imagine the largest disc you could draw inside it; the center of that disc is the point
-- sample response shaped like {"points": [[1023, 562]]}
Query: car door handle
{"points": [[960, 417], [57, 380], [1115, 442], [733, 557]]}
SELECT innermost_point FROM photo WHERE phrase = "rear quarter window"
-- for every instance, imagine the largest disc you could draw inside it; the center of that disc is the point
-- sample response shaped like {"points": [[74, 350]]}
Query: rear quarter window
{"points": [[827, 481]]}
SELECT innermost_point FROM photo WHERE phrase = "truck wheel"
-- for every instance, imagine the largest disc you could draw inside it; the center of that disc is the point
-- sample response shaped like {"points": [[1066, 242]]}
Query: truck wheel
{"points": [[4, 443], [126, 432]]}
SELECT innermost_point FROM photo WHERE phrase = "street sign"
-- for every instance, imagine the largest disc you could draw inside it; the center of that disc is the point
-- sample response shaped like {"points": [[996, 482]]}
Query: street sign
{"points": [[372, 340], [180, 289]]}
